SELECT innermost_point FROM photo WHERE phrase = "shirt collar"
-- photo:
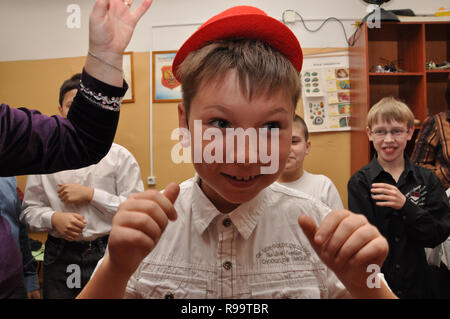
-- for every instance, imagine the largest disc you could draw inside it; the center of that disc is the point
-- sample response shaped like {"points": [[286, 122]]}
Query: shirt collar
{"points": [[375, 169], [245, 217]]}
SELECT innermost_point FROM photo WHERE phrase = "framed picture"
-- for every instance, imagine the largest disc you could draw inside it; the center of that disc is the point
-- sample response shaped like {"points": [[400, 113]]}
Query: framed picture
{"points": [[128, 71], [165, 87]]}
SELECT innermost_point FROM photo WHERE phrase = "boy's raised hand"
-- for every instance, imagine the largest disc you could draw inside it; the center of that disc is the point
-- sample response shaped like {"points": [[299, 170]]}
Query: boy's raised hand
{"points": [[112, 23], [137, 227], [387, 195], [347, 243], [111, 26]]}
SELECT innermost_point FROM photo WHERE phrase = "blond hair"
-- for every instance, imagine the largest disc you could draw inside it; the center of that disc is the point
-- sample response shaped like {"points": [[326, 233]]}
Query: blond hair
{"points": [[261, 69], [390, 109]]}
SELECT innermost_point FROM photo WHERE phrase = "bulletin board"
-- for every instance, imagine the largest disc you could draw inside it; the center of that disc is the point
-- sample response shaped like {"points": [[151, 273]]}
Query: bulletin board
{"points": [[326, 90]]}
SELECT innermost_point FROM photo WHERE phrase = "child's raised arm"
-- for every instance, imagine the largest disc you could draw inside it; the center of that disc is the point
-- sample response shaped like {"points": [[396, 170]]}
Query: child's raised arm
{"points": [[347, 243]]}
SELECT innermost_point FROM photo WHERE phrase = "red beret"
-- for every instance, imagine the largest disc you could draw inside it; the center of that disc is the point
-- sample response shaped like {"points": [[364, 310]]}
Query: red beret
{"points": [[243, 22]]}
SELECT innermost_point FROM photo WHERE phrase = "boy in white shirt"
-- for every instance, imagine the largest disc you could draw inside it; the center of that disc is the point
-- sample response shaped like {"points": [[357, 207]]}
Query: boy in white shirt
{"points": [[296, 177], [237, 234], [76, 208]]}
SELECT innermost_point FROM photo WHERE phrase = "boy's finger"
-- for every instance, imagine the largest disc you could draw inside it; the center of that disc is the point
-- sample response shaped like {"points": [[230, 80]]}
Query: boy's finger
{"points": [[309, 227], [385, 204], [142, 8], [329, 225], [383, 191], [100, 9], [165, 200], [171, 191], [145, 224], [343, 232], [79, 224], [151, 208], [381, 197], [374, 252], [355, 242], [383, 185], [80, 218]]}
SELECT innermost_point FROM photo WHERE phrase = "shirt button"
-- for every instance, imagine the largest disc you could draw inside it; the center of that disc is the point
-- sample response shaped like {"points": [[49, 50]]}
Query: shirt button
{"points": [[396, 239], [397, 266], [227, 265], [168, 296], [226, 222]]}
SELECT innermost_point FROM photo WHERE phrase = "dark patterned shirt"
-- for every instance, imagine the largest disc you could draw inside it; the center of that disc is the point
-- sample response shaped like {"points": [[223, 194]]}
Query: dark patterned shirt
{"points": [[432, 148], [423, 221]]}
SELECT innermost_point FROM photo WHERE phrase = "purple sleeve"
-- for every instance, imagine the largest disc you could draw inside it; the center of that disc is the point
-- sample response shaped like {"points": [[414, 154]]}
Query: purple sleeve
{"points": [[32, 143]]}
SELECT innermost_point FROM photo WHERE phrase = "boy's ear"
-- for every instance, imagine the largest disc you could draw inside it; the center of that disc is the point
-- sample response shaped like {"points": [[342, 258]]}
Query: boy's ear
{"points": [[369, 135], [184, 138], [182, 120], [308, 147], [60, 109], [410, 133]]}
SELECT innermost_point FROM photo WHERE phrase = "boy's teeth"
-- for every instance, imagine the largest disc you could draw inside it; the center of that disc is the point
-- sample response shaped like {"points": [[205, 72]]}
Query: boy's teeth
{"points": [[242, 178]]}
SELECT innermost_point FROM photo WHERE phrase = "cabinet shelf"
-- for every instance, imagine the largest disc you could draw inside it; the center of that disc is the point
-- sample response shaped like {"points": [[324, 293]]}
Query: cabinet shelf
{"points": [[395, 74], [409, 46], [445, 71]]}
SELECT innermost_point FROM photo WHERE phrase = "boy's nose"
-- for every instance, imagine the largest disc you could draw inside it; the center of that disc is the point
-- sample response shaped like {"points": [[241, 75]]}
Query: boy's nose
{"points": [[388, 137]]}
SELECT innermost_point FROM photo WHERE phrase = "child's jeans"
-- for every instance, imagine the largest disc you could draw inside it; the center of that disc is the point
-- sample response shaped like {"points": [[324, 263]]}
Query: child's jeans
{"points": [[68, 265]]}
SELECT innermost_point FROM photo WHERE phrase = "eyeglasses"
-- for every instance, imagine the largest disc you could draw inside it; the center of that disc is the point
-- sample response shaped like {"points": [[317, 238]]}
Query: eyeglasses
{"points": [[395, 133]]}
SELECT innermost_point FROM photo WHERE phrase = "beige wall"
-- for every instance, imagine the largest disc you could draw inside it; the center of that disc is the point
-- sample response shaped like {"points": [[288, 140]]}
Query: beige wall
{"points": [[35, 84]]}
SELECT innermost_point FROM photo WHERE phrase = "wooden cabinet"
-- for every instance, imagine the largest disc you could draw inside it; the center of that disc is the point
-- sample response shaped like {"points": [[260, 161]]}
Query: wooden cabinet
{"points": [[410, 45]]}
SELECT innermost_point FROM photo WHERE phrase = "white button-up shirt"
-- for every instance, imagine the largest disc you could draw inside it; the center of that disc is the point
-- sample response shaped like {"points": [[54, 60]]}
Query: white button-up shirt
{"points": [[256, 251], [113, 179]]}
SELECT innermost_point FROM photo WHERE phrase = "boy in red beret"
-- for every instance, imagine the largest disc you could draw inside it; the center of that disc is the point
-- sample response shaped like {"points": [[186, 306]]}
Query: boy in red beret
{"points": [[235, 233]]}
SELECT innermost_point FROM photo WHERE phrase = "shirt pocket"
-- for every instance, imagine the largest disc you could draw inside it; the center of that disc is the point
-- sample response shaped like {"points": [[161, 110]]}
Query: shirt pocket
{"points": [[300, 285], [168, 286]]}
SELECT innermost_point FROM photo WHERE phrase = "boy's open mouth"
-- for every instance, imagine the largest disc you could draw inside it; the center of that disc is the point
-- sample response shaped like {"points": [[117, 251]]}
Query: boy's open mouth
{"points": [[389, 149]]}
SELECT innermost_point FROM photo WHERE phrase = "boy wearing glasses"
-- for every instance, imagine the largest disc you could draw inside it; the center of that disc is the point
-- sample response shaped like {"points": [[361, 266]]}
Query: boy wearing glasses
{"points": [[405, 201]]}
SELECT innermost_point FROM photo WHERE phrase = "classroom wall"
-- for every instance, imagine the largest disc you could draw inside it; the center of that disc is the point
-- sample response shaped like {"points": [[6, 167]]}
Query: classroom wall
{"points": [[39, 51], [35, 84], [31, 29]]}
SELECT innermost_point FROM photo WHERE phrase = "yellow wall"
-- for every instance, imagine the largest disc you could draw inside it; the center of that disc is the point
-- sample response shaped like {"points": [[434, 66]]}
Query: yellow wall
{"points": [[35, 84]]}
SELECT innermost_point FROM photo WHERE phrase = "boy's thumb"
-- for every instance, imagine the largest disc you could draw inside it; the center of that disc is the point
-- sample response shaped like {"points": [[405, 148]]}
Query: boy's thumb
{"points": [[309, 227], [171, 192]]}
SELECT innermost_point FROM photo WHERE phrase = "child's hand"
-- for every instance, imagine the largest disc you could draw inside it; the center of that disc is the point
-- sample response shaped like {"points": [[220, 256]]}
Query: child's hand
{"points": [[387, 195], [347, 244], [137, 227], [111, 26], [68, 225], [75, 193]]}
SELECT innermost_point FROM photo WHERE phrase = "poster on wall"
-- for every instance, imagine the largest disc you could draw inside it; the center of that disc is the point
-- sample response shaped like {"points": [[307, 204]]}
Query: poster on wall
{"points": [[326, 93], [165, 87]]}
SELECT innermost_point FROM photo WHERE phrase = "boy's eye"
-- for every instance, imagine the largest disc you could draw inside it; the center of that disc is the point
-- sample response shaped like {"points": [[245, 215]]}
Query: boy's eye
{"points": [[272, 125], [219, 123], [380, 132]]}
